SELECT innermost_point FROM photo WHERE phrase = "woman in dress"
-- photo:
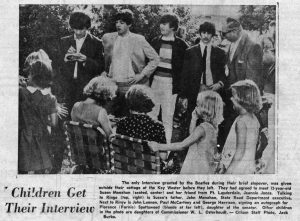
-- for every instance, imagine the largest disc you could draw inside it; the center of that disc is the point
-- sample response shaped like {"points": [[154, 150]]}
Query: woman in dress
{"points": [[99, 91]]}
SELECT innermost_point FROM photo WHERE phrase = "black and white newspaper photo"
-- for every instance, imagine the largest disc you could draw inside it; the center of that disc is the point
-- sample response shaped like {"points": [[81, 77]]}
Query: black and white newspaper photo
{"points": [[149, 111]]}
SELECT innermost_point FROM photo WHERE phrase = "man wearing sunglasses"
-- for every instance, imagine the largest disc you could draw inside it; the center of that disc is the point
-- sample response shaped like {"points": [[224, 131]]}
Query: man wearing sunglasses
{"points": [[244, 61], [244, 56]]}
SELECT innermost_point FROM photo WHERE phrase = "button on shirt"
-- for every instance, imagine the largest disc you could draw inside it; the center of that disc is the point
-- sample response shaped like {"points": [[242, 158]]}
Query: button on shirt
{"points": [[208, 74], [79, 43]]}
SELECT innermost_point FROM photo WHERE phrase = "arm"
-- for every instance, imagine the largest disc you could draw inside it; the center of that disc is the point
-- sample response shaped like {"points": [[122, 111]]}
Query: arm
{"points": [[196, 135], [219, 73], [254, 65], [96, 63], [241, 132], [221, 69], [104, 121], [153, 57], [185, 74], [193, 121]]}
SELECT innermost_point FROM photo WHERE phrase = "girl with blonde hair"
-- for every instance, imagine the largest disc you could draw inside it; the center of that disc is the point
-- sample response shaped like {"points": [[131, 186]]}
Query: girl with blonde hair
{"points": [[238, 156], [202, 141], [99, 91]]}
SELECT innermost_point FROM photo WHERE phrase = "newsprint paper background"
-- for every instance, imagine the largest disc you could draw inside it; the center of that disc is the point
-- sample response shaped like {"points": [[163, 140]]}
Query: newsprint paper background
{"points": [[84, 189]]}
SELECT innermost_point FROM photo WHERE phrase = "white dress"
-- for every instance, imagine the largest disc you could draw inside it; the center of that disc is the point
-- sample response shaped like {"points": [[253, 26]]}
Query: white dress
{"points": [[200, 156], [247, 163]]}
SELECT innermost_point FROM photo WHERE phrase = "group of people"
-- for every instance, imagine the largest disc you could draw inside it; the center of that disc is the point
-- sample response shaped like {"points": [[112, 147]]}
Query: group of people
{"points": [[125, 77]]}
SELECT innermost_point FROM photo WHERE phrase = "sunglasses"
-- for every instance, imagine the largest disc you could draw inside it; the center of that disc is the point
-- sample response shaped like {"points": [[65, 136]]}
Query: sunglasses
{"points": [[225, 33]]}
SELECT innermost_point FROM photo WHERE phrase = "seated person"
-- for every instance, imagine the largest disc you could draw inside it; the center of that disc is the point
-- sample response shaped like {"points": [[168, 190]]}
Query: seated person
{"points": [[138, 123], [99, 91]]}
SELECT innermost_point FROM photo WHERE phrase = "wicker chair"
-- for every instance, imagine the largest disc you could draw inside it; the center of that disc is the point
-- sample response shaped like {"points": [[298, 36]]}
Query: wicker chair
{"points": [[88, 148], [133, 156]]}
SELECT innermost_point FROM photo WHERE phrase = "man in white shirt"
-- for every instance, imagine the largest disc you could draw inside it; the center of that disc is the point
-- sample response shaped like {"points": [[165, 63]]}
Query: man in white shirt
{"points": [[126, 55], [204, 67]]}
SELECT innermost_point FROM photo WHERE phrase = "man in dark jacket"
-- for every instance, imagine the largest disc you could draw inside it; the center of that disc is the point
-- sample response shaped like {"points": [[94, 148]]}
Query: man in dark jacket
{"points": [[203, 68], [83, 58], [167, 77], [244, 61]]}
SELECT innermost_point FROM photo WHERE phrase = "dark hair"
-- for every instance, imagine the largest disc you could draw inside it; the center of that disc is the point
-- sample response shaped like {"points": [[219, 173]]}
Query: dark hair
{"points": [[80, 20], [207, 27], [172, 19], [139, 98], [41, 74], [125, 15]]}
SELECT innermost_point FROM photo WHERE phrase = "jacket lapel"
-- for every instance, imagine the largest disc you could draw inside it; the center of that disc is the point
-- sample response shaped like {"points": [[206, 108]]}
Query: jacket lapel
{"points": [[240, 47], [84, 46]]}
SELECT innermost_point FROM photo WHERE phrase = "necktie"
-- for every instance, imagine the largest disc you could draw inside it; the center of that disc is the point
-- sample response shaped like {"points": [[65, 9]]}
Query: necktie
{"points": [[204, 65]]}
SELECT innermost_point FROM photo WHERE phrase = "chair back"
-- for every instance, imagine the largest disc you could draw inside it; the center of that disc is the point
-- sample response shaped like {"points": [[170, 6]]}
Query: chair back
{"points": [[88, 146], [133, 156]]}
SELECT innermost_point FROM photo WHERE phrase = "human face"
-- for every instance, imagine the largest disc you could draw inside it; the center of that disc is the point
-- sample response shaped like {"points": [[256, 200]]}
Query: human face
{"points": [[206, 37], [165, 29], [232, 35], [122, 27], [80, 33]]}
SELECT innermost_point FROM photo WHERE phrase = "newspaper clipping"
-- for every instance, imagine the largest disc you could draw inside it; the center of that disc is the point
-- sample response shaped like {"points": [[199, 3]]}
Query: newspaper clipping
{"points": [[161, 111]]}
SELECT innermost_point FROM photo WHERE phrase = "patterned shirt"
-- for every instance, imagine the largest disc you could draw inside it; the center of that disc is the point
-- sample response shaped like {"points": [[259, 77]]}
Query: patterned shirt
{"points": [[165, 53], [143, 127]]}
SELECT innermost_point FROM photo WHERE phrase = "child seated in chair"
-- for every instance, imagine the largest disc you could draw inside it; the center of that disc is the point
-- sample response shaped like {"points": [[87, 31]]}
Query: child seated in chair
{"points": [[139, 124], [99, 91]]}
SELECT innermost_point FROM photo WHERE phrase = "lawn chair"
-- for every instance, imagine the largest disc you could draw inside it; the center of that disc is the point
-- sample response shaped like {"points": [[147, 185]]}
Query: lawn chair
{"points": [[88, 148], [133, 156]]}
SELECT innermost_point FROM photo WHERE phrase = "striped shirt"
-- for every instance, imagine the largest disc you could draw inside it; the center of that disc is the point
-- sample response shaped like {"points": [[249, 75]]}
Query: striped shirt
{"points": [[164, 67]]}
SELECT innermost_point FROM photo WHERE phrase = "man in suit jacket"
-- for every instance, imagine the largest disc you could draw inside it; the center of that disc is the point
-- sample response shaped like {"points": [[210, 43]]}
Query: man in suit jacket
{"points": [[244, 61], [244, 58], [83, 58], [126, 54], [203, 68], [129, 59]]}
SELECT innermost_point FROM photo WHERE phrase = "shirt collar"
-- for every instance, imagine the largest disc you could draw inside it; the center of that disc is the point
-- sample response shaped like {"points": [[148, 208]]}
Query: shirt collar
{"points": [[81, 39], [125, 36], [171, 38], [202, 45]]}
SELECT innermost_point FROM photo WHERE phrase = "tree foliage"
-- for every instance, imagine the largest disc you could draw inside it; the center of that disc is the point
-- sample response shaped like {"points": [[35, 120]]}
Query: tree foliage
{"points": [[42, 26], [257, 17]]}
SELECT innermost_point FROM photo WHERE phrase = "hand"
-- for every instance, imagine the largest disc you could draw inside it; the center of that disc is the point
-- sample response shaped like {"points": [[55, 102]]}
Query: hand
{"points": [[195, 115], [153, 146], [80, 57], [215, 86], [135, 79], [104, 74], [71, 50], [62, 111], [23, 81]]}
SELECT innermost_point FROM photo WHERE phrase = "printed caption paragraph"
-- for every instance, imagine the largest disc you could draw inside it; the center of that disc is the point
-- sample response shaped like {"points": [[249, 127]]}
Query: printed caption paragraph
{"points": [[189, 197]]}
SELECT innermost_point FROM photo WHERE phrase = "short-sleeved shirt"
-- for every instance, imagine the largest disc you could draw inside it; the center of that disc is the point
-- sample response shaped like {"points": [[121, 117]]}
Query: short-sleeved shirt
{"points": [[143, 127]]}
